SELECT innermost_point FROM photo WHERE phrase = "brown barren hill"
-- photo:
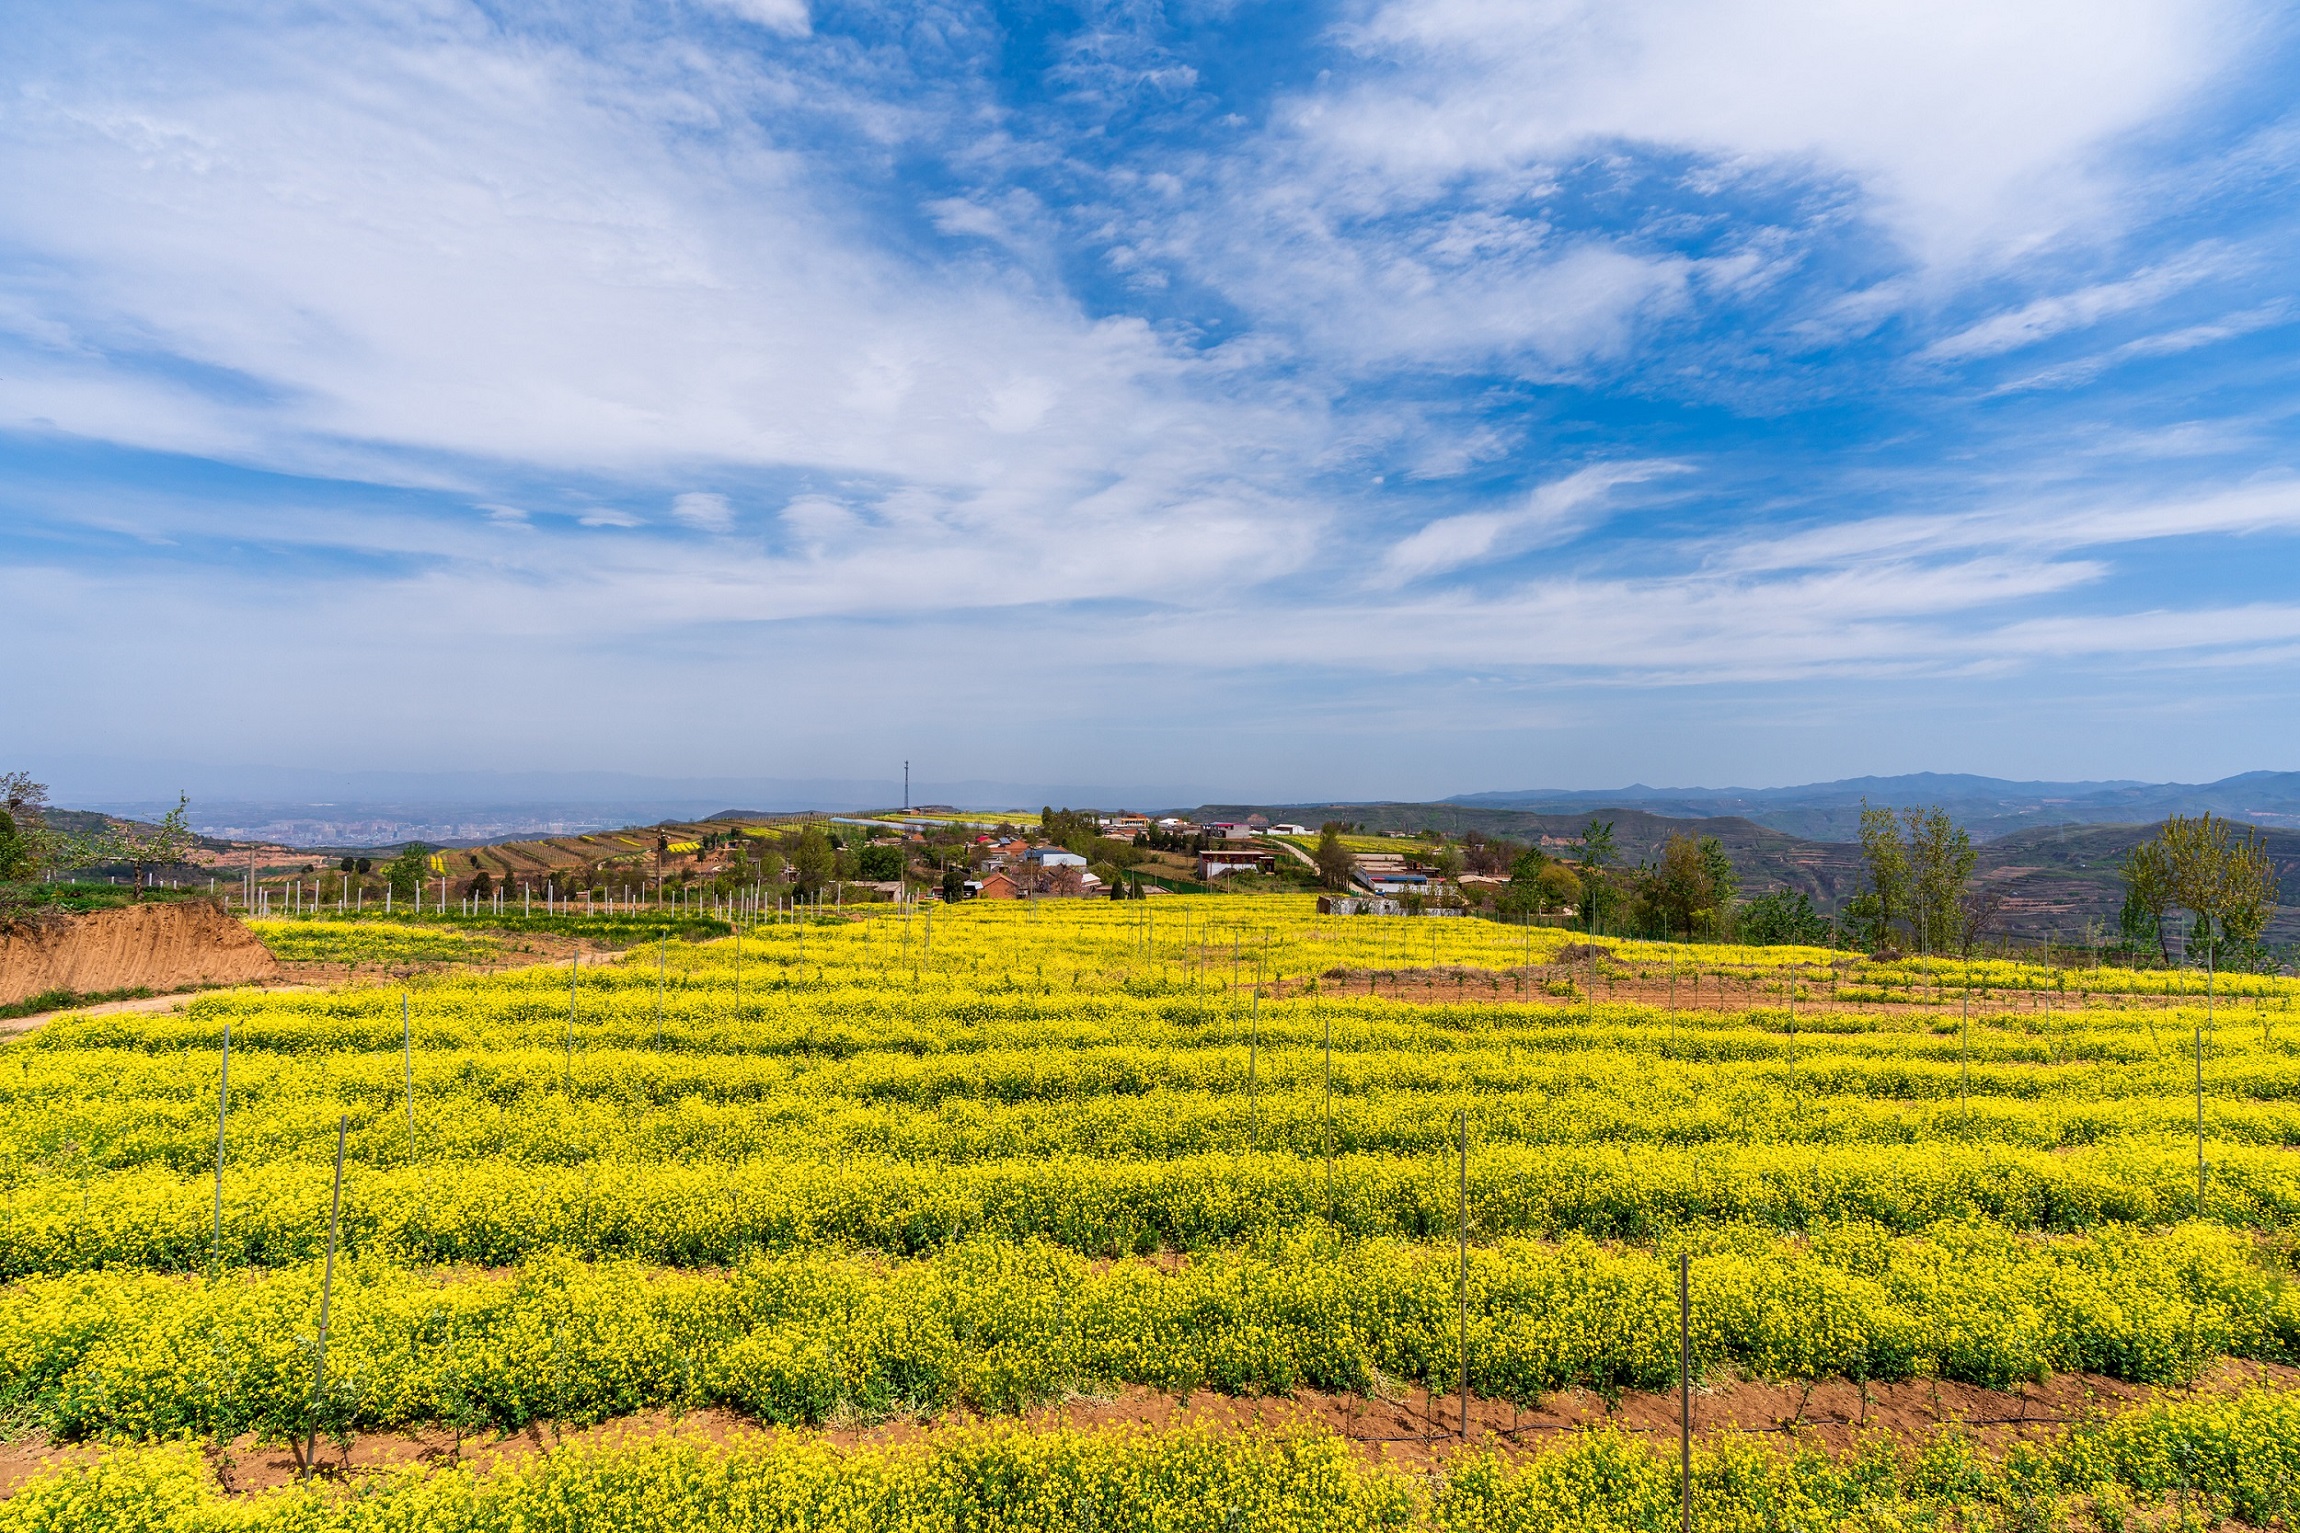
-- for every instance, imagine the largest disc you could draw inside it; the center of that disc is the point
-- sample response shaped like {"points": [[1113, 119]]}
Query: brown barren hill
{"points": [[160, 946]]}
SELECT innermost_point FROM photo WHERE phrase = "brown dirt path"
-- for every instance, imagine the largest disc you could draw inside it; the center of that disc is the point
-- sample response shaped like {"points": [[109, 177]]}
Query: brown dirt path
{"points": [[1695, 991], [1411, 1431]]}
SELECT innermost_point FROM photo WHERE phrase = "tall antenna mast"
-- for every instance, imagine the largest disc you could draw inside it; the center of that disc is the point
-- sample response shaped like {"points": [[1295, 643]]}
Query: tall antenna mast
{"points": [[906, 787]]}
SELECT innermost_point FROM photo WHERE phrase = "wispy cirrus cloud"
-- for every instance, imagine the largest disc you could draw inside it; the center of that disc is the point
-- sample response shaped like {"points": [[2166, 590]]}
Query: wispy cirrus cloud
{"points": [[1552, 513], [2167, 343], [2041, 319]]}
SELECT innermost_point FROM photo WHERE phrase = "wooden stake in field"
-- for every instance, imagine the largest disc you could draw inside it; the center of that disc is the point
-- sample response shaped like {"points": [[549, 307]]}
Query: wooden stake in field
{"points": [[326, 1293]]}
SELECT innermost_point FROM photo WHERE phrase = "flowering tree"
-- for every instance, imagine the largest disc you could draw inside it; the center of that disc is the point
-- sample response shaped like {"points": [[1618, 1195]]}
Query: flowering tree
{"points": [[145, 847]]}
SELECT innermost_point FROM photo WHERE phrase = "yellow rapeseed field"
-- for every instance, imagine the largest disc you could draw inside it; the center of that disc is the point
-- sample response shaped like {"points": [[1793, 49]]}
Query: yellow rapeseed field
{"points": [[917, 1159]]}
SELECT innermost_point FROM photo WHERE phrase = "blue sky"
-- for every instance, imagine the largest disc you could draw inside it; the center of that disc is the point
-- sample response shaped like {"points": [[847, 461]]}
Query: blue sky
{"points": [[1404, 397]]}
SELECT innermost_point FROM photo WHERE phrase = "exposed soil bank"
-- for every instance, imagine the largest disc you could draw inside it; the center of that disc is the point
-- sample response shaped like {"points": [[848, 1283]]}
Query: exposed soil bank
{"points": [[161, 946]]}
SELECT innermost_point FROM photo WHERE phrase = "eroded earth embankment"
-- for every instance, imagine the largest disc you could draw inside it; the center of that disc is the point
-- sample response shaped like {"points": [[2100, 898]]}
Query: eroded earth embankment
{"points": [[160, 946]]}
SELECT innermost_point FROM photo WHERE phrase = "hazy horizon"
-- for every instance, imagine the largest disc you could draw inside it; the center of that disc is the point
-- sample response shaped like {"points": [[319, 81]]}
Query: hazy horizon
{"points": [[386, 808]]}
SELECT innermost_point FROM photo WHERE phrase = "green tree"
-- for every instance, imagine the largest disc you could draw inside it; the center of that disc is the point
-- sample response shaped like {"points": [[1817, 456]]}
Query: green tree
{"points": [[16, 860], [813, 861], [147, 847], [2248, 898], [2227, 881], [1783, 918], [1677, 890], [881, 862], [2149, 896], [1941, 859], [1335, 864], [1597, 854], [404, 874], [1886, 899], [21, 803], [1724, 885], [29, 848], [1069, 829], [1524, 894]]}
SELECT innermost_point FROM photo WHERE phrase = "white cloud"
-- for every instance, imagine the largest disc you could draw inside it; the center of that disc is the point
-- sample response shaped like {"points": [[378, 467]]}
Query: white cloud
{"points": [[2167, 343], [1281, 241], [1552, 513], [703, 510], [777, 15], [426, 252], [815, 521], [1970, 125], [2038, 523], [2043, 318]]}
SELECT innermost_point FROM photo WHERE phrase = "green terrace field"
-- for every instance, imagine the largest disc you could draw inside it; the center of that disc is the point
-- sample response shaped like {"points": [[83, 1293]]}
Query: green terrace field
{"points": [[936, 1168]]}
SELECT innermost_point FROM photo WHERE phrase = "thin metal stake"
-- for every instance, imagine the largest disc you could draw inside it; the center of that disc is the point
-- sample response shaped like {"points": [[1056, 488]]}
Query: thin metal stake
{"points": [[223, 1100], [574, 970], [326, 1291], [2200, 1123], [659, 960], [1685, 1391], [1965, 1055], [407, 1054], [2210, 951], [1329, 1128], [1461, 1274], [1254, 1062]]}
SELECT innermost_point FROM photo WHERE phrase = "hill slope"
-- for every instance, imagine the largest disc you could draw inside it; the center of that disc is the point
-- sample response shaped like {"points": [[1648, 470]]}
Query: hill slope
{"points": [[1989, 807], [2055, 878]]}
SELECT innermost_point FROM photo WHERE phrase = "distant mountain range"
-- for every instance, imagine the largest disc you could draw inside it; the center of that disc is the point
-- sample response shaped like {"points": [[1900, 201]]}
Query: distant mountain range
{"points": [[1989, 807]]}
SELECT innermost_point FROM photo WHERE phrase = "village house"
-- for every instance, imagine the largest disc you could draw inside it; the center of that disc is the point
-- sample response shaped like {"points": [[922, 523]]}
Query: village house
{"points": [[1214, 863], [1392, 873]]}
